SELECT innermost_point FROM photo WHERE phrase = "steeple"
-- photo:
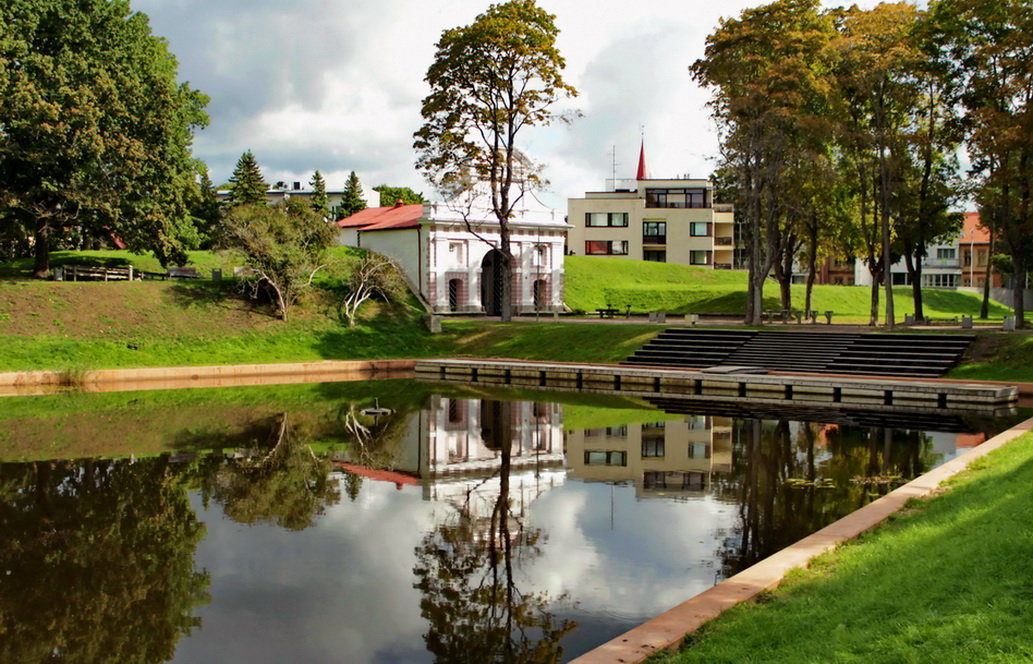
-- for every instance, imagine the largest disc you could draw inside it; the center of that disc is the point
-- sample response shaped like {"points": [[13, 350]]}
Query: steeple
{"points": [[642, 174]]}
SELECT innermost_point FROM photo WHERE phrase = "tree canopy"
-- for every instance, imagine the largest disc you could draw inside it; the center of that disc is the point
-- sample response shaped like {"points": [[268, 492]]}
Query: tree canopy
{"points": [[352, 200], [95, 129], [490, 80], [391, 195], [248, 187]]}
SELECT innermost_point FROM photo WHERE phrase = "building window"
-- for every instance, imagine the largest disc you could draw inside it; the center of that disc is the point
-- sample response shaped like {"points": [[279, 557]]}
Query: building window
{"points": [[676, 198], [654, 232], [606, 247], [654, 479], [604, 219], [939, 281], [601, 458], [653, 446], [654, 255], [946, 253], [699, 229], [699, 257], [699, 451], [540, 256]]}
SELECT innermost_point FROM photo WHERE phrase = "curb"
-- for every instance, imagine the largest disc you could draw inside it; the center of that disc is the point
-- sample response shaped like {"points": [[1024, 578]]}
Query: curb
{"points": [[161, 378], [666, 631]]}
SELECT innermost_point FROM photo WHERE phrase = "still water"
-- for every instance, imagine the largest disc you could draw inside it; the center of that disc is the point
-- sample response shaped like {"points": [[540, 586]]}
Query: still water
{"points": [[293, 524]]}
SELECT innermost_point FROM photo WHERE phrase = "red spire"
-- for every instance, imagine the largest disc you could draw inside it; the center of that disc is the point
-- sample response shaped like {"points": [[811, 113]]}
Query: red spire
{"points": [[641, 175]]}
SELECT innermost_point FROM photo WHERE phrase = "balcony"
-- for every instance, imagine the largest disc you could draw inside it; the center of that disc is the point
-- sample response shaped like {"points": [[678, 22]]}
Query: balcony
{"points": [[941, 262], [654, 239], [722, 266], [723, 241], [682, 205], [724, 207]]}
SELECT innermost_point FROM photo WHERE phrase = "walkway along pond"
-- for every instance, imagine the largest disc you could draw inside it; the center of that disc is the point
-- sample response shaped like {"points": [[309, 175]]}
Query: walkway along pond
{"points": [[469, 523]]}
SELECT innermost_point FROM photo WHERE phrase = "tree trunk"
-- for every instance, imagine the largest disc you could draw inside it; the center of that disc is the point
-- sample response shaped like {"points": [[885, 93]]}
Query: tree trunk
{"points": [[875, 271], [812, 263], [984, 309], [1019, 291], [41, 265], [913, 262]]}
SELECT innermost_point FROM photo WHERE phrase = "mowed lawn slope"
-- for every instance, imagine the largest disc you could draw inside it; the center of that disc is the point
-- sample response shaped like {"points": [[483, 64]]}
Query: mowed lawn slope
{"points": [[948, 581], [593, 282]]}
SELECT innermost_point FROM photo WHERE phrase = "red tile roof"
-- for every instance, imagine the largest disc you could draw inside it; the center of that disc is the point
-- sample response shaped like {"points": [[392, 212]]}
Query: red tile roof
{"points": [[972, 231], [383, 218]]}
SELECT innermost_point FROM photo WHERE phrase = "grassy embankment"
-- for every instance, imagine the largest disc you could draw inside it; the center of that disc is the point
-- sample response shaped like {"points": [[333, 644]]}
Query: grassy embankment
{"points": [[948, 580], [598, 282], [88, 325]]}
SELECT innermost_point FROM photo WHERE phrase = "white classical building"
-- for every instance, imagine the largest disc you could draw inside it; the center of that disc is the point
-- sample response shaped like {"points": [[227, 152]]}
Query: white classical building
{"points": [[449, 253]]}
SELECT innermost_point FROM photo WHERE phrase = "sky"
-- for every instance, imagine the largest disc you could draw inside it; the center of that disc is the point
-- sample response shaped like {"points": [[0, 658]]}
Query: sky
{"points": [[337, 86]]}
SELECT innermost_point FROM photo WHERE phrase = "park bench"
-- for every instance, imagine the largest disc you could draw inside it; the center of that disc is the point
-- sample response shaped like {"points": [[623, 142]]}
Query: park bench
{"points": [[607, 312], [90, 273], [183, 273]]}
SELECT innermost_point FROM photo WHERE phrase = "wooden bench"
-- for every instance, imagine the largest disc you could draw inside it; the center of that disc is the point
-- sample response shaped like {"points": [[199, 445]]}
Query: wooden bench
{"points": [[89, 273], [607, 312], [183, 273]]}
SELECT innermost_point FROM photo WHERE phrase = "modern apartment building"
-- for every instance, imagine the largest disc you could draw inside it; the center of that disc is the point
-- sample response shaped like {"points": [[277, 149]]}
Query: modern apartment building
{"points": [[665, 220]]}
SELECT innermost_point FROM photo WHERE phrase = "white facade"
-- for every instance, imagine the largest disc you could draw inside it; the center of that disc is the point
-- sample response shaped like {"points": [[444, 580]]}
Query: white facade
{"points": [[453, 264], [941, 268]]}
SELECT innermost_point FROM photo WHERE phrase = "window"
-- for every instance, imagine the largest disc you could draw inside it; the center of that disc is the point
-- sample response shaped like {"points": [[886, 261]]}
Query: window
{"points": [[606, 247], [654, 255], [940, 280], [653, 446], [699, 258], [699, 451], [676, 198], [654, 232], [603, 219], [946, 253], [699, 229], [654, 479], [540, 256], [601, 458]]}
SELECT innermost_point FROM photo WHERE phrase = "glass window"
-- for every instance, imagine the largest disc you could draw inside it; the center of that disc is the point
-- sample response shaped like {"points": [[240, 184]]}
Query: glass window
{"points": [[654, 255], [602, 458], [699, 258], [699, 451], [603, 219], [653, 446], [946, 253], [619, 219], [699, 229]]}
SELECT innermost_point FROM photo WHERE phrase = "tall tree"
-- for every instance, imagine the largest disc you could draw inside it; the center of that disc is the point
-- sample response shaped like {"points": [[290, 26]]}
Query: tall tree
{"points": [[248, 187], [205, 211], [352, 200], [391, 195], [95, 130], [992, 44], [490, 80], [319, 199], [769, 73], [284, 245]]}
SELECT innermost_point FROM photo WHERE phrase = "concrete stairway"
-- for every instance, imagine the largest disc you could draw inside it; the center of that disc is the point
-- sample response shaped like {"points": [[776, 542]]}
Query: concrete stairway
{"points": [[921, 356]]}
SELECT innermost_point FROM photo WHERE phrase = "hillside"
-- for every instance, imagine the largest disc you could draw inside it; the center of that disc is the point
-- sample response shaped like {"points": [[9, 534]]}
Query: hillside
{"points": [[593, 282]]}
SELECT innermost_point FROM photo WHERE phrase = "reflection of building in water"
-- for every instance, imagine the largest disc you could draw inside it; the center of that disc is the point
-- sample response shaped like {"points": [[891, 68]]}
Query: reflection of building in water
{"points": [[666, 458], [456, 448]]}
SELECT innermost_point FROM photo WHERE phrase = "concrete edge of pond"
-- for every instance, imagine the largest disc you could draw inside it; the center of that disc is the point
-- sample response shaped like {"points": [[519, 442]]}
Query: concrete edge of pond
{"points": [[16, 383], [668, 630]]}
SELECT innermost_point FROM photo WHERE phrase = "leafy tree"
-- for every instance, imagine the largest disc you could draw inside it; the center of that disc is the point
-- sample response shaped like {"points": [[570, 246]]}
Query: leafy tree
{"points": [[991, 43], [373, 275], [205, 211], [95, 130], [352, 200], [769, 70], [391, 195], [248, 185], [320, 202], [284, 245], [490, 80]]}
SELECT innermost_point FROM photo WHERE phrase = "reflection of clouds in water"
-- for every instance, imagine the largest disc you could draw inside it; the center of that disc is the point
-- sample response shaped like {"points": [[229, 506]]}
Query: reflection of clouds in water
{"points": [[338, 592], [644, 565]]}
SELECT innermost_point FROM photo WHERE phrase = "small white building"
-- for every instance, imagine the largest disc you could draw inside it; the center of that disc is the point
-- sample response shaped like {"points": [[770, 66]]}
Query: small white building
{"points": [[449, 253]]}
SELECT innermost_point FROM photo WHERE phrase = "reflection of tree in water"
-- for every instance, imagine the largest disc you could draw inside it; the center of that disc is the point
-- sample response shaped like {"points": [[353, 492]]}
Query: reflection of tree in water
{"points": [[283, 483], [785, 492], [465, 570], [97, 561], [373, 441]]}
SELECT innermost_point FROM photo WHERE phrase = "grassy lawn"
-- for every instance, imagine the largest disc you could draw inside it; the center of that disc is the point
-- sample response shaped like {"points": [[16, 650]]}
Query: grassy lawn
{"points": [[949, 581], [593, 282]]}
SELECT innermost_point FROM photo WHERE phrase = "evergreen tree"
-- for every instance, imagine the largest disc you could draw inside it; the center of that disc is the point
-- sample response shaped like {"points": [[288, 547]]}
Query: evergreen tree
{"points": [[319, 199], [352, 201], [249, 186], [204, 210]]}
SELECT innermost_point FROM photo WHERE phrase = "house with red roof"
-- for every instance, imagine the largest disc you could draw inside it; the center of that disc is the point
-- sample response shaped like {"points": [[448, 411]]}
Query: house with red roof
{"points": [[449, 253], [974, 244]]}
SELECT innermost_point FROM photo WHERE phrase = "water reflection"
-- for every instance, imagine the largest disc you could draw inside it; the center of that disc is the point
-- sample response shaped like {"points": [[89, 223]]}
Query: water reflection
{"points": [[474, 529]]}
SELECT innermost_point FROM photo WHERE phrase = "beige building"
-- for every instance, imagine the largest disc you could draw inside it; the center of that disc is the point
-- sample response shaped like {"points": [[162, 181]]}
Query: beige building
{"points": [[664, 220]]}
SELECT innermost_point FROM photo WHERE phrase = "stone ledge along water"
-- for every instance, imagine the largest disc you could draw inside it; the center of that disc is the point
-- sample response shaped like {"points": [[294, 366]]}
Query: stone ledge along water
{"points": [[875, 394]]}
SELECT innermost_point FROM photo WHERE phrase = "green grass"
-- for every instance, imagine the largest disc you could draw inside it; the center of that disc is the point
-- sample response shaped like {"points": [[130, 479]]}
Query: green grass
{"points": [[593, 282], [950, 581]]}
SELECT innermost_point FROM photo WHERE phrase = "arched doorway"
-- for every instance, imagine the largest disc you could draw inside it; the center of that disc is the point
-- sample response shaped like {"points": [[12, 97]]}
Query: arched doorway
{"points": [[491, 283]]}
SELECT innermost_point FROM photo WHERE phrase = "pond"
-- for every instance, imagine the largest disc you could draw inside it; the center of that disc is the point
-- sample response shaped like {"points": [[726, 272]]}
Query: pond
{"points": [[294, 523]]}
